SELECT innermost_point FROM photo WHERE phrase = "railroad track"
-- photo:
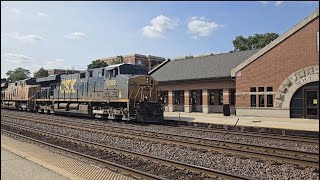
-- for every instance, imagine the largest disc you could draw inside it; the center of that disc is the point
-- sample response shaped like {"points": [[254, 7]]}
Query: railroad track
{"points": [[263, 135], [137, 164], [276, 154]]}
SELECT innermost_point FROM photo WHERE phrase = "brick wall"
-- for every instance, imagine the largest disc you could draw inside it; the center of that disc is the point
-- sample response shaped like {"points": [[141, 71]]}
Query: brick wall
{"points": [[271, 69]]}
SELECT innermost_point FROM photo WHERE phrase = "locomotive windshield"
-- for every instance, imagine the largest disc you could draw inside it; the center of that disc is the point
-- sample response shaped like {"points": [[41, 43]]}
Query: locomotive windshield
{"points": [[132, 69]]}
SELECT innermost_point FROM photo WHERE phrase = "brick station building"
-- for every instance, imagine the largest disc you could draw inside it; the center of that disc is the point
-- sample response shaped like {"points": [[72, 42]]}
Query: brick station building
{"points": [[282, 79], [201, 84], [279, 80]]}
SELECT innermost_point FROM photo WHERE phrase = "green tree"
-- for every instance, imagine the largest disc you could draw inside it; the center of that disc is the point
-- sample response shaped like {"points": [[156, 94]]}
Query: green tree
{"points": [[18, 74], [188, 57], [97, 64], [41, 73], [257, 41], [118, 60]]}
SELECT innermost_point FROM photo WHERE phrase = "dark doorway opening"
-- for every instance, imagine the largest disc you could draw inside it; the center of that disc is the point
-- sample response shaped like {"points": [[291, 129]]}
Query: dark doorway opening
{"points": [[305, 102]]}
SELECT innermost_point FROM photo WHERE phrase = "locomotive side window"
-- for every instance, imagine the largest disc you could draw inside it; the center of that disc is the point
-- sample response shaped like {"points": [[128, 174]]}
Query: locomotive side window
{"points": [[110, 74], [115, 72], [82, 75], [102, 72], [90, 74], [129, 69]]}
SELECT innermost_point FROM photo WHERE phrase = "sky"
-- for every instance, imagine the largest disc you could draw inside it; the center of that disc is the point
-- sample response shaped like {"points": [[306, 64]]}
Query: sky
{"points": [[72, 34]]}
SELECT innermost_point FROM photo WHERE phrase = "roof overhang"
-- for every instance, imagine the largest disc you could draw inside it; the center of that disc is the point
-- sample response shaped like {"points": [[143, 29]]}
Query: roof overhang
{"points": [[159, 66], [198, 79], [274, 43]]}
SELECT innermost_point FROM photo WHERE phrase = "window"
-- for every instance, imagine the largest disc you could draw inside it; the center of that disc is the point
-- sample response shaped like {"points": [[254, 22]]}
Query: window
{"points": [[132, 69], [232, 96], [82, 75], [261, 89], [221, 96], [216, 97], [211, 98], [115, 72], [139, 61], [269, 97], [164, 96], [269, 89], [253, 97], [102, 72], [261, 97], [177, 99], [90, 73], [261, 100]]}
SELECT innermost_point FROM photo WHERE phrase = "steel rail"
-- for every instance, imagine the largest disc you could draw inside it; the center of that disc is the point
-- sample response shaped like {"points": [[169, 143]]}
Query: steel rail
{"points": [[132, 172], [238, 148], [180, 165]]}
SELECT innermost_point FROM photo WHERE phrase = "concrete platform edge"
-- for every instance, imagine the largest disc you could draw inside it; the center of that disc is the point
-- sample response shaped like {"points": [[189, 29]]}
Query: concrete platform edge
{"points": [[41, 163]]}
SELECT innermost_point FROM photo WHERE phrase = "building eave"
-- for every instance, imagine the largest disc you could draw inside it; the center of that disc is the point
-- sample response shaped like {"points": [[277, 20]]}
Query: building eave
{"points": [[198, 79]]}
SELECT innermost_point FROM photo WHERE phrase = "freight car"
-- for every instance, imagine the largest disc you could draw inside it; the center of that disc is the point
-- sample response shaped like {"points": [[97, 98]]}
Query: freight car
{"points": [[122, 91]]}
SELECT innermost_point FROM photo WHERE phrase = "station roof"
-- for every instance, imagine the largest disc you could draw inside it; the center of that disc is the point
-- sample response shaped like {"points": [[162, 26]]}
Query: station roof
{"points": [[206, 67]]}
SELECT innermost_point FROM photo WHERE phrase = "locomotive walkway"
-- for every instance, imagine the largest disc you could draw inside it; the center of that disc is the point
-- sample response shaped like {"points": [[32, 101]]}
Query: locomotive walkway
{"points": [[267, 122]]}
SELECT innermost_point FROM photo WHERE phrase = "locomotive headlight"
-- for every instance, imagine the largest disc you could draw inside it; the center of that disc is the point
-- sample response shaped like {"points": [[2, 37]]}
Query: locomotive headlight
{"points": [[147, 81]]}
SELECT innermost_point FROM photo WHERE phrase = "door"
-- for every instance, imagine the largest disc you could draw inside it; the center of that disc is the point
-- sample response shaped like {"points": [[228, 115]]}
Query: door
{"points": [[311, 104], [193, 100]]}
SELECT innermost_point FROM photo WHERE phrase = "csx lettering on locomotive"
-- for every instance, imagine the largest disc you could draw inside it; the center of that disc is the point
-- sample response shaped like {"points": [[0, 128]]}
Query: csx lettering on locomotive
{"points": [[111, 83], [67, 85]]}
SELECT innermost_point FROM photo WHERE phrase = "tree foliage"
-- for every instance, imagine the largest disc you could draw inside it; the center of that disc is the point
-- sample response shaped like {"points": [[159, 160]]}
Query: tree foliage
{"points": [[253, 42], [97, 64], [41, 73], [118, 60], [18, 74], [188, 57]]}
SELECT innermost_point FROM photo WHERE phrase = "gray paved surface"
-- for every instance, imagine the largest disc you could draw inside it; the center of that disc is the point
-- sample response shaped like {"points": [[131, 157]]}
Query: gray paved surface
{"points": [[14, 167]]}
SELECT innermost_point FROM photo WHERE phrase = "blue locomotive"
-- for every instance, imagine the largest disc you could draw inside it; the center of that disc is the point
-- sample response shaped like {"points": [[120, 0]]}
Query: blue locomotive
{"points": [[122, 91]]}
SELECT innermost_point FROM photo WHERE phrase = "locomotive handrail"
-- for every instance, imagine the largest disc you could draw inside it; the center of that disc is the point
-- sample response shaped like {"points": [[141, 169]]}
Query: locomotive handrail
{"points": [[33, 95], [134, 103]]}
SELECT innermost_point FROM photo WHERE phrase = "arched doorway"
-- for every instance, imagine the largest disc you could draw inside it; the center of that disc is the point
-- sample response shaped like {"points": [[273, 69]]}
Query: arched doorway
{"points": [[305, 102]]}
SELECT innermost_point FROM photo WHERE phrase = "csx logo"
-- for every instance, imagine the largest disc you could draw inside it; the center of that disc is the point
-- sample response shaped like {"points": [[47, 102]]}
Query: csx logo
{"points": [[67, 85], [111, 83]]}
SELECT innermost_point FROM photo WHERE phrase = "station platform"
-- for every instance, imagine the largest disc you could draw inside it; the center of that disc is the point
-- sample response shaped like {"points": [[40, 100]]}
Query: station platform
{"points": [[267, 122], [22, 160]]}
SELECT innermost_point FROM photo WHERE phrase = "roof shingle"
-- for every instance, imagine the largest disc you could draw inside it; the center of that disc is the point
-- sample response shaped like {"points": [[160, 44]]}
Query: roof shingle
{"points": [[212, 66]]}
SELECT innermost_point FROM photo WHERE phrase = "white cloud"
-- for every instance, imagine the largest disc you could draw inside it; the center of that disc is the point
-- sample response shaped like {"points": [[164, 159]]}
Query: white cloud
{"points": [[201, 27], [41, 14], [76, 35], [15, 10], [31, 38], [263, 2], [16, 58], [159, 26], [278, 3]]}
